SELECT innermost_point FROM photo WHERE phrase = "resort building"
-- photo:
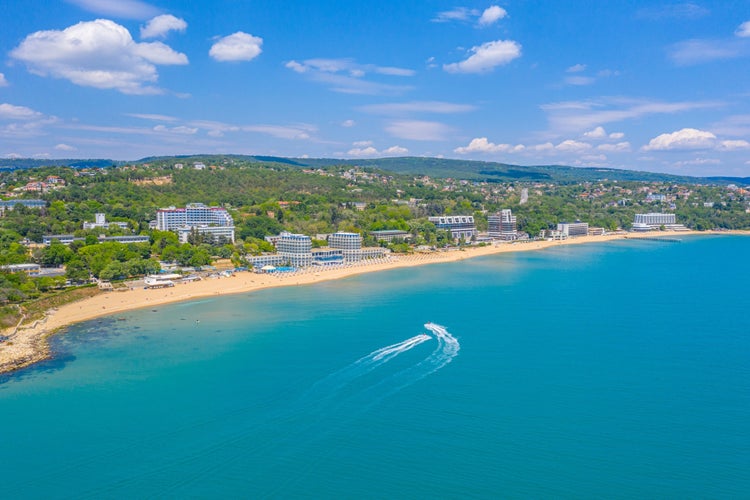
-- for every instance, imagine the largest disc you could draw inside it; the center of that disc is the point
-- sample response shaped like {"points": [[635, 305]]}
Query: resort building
{"points": [[350, 245], [295, 249], [573, 229], [30, 269], [213, 221], [10, 204], [390, 235], [503, 226], [100, 220], [460, 226], [653, 221], [327, 256], [67, 239]]}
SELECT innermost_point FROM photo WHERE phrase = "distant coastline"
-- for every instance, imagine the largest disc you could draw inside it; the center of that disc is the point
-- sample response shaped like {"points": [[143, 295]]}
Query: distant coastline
{"points": [[28, 344]]}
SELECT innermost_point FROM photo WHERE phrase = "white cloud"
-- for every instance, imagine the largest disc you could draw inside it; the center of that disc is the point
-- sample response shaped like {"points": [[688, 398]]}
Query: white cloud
{"points": [[238, 46], [417, 130], [576, 68], [348, 123], [686, 138], [577, 116], [347, 76], [684, 10], [395, 150], [11, 112], [616, 135], [365, 148], [743, 30], [65, 147], [482, 145], [487, 56], [99, 54], [159, 26], [614, 148], [696, 51], [491, 15], [153, 117], [697, 161], [397, 108], [126, 9], [579, 80], [571, 146], [292, 132], [457, 14], [733, 145], [368, 151], [3, 81], [182, 130], [597, 133]]}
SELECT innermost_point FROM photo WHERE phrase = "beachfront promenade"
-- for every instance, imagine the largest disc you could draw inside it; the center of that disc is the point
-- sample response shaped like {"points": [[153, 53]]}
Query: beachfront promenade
{"points": [[27, 344]]}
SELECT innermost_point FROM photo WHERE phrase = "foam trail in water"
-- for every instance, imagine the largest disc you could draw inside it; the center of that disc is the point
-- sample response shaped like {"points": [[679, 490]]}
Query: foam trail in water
{"points": [[335, 381], [447, 349]]}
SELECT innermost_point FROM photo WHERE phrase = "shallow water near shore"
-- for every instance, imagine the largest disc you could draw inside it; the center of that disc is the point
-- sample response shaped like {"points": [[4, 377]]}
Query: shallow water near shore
{"points": [[604, 370]]}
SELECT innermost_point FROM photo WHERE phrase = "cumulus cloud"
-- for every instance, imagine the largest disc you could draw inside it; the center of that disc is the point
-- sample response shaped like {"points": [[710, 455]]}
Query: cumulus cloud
{"points": [[160, 26], [65, 147], [486, 57], [491, 15], [3, 81], [576, 68], [482, 145], [11, 112], [733, 145], [365, 148], [597, 133], [125, 9], [238, 46], [348, 123], [99, 54], [686, 138], [572, 146], [743, 30], [417, 130], [616, 135], [347, 76]]}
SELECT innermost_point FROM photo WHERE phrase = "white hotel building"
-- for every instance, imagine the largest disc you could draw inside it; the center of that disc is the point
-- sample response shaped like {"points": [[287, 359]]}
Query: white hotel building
{"points": [[214, 221], [572, 229], [350, 245], [459, 225], [502, 225], [295, 249]]}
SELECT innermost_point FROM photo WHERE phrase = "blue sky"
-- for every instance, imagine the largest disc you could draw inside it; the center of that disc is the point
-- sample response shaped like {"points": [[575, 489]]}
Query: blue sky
{"points": [[657, 86]]}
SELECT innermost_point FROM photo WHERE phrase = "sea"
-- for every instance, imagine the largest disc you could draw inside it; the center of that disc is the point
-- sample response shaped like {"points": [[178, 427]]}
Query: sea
{"points": [[606, 370]]}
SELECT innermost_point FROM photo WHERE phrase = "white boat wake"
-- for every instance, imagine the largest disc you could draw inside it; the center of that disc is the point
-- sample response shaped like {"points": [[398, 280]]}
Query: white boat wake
{"points": [[369, 392]]}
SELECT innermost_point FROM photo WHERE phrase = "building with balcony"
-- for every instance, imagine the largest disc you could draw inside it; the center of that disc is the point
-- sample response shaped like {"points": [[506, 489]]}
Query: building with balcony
{"points": [[573, 229], [503, 226], [213, 221], [295, 249], [460, 226], [350, 245]]}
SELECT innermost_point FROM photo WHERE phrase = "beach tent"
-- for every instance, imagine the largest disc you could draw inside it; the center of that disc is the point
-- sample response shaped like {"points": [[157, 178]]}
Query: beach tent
{"points": [[268, 269]]}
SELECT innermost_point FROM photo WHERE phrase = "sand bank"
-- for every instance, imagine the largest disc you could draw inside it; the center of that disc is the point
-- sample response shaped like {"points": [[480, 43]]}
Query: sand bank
{"points": [[28, 343]]}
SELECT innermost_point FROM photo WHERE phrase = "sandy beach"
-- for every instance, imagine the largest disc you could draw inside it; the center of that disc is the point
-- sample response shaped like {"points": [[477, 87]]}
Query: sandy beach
{"points": [[28, 343]]}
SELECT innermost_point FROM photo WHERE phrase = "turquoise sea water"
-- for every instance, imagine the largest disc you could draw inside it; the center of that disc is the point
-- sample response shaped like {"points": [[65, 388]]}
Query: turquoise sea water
{"points": [[606, 370]]}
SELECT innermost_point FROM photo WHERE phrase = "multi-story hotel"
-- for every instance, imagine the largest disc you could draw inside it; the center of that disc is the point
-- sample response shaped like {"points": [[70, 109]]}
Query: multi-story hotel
{"points": [[100, 220], [213, 221], [458, 225], [350, 245], [655, 219], [503, 225], [295, 249], [572, 229]]}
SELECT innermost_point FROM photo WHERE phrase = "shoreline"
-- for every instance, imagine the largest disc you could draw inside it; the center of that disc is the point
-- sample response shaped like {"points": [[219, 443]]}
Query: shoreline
{"points": [[29, 345]]}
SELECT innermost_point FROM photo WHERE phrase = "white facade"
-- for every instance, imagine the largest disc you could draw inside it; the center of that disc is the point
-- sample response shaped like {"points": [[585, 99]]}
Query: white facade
{"points": [[100, 220], [295, 249], [655, 219], [458, 225], [349, 243], [570, 229], [503, 225], [214, 221]]}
